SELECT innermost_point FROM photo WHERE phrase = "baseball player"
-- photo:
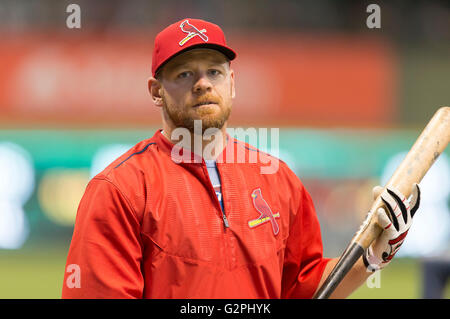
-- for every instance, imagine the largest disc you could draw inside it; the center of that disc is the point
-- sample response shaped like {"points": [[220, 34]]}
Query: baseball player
{"points": [[209, 226]]}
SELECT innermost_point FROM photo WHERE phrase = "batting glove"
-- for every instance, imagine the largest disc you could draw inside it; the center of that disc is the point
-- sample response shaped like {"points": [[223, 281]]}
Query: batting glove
{"points": [[395, 228]]}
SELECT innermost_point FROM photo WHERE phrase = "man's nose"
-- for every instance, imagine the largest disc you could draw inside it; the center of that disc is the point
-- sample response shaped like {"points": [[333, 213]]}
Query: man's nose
{"points": [[202, 85]]}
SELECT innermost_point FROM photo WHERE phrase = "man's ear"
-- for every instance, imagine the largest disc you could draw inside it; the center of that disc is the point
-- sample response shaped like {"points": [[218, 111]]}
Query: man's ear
{"points": [[233, 92], [155, 90]]}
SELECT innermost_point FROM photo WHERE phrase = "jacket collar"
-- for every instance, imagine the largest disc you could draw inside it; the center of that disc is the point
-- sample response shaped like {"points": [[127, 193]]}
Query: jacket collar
{"points": [[183, 155]]}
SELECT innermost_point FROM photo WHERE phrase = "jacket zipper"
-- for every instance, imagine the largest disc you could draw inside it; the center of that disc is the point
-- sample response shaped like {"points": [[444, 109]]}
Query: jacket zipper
{"points": [[225, 219], [230, 257]]}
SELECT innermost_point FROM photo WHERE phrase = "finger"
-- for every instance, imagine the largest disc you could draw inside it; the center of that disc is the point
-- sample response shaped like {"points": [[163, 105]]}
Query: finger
{"points": [[376, 191], [392, 207], [383, 219], [415, 199], [400, 199]]}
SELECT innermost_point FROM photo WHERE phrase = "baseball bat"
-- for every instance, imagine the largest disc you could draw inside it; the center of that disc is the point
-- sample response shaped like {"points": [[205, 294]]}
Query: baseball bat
{"points": [[429, 145]]}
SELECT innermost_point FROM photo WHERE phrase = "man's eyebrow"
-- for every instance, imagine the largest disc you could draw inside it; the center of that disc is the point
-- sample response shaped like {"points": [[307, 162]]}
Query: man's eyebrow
{"points": [[221, 62], [175, 65], [178, 65]]}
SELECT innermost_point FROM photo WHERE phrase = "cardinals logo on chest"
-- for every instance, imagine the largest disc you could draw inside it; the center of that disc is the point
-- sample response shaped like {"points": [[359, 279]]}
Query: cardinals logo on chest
{"points": [[266, 214]]}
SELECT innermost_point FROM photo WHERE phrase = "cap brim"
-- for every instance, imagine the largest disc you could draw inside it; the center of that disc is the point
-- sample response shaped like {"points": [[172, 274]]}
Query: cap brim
{"points": [[228, 52]]}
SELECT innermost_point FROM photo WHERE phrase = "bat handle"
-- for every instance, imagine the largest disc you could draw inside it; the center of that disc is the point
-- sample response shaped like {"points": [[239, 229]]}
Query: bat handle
{"points": [[352, 253]]}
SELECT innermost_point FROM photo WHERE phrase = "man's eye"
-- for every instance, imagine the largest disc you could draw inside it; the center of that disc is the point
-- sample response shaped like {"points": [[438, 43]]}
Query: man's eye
{"points": [[185, 74], [214, 72]]}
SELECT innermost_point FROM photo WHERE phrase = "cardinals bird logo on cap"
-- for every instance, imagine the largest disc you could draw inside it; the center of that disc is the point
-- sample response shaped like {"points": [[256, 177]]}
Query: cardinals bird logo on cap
{"points": [[192, 31]]}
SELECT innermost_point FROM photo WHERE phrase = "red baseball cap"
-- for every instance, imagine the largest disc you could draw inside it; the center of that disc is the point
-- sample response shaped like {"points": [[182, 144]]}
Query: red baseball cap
{"points": [[188, 34]]}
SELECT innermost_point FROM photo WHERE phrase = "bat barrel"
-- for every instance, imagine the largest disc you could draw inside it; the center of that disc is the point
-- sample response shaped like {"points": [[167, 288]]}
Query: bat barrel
{"points": [[429, 145]]}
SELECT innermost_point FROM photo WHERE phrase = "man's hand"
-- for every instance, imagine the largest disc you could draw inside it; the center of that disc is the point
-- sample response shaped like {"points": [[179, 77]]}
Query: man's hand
{"points": [[395, 228]]}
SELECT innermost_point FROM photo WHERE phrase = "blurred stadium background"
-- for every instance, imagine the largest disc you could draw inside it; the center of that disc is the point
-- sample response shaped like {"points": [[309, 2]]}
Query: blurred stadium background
{"points": [[348, 101]]}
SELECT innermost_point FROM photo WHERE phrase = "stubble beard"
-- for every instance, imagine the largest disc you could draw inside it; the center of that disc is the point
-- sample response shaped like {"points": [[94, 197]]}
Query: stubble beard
{"points": [[185, 117]]}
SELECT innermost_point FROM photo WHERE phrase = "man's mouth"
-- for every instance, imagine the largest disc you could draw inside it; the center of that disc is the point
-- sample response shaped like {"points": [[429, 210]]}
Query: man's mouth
{"points": [[204, 103]]}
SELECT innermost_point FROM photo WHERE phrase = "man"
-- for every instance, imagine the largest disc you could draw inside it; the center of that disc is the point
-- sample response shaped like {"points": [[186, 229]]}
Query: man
{"points": [[197, 218]]}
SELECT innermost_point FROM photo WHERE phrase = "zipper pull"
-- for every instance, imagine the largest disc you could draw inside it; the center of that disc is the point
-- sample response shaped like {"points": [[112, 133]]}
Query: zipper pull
{"points": [[225, 220]]}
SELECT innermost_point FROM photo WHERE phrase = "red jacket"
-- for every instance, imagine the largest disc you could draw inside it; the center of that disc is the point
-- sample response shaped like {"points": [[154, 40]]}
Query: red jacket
{"points": [[148, 227]]}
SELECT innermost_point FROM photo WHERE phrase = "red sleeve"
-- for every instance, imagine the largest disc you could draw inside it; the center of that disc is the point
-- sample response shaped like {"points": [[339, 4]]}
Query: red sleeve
{"points": [[105, 253], [303, 262]]}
